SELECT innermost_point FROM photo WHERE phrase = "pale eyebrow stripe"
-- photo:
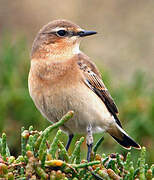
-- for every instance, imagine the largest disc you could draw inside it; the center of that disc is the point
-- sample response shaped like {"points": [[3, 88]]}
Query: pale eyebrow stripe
{"points": [[54, 30], [58, 28], [62, 28]]}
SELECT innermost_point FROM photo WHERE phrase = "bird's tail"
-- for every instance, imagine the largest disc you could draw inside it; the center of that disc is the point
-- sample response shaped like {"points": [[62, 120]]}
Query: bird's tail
{"points": [[122, 137]]}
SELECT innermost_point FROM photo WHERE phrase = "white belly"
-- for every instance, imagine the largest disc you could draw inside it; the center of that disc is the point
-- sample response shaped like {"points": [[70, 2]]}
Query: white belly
{"points": [[88, 108]]}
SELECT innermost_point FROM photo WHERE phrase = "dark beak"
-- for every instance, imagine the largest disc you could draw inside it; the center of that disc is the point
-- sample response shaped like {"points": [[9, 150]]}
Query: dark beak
{"points": [[86, 33]]}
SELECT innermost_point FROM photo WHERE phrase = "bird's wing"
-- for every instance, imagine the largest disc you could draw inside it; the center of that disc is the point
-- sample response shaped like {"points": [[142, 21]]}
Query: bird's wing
{"points": [[92, 79]]}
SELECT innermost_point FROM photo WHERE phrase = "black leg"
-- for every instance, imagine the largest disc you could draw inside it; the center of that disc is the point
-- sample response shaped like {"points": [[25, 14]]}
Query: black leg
{"points": [[70, 137], [89, 141], [89, 151]]}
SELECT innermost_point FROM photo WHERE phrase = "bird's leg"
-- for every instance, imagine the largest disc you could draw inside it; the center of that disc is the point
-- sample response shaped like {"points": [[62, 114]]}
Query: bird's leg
{"points": [[89, 141], [70, 137]]}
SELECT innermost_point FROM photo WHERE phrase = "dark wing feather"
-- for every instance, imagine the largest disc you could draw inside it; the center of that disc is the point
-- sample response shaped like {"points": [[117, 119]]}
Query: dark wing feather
{"points": [[94, 82]]}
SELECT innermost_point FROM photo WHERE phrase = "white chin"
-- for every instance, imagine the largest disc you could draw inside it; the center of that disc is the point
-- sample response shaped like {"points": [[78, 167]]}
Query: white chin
{"points": [[76, 49]]}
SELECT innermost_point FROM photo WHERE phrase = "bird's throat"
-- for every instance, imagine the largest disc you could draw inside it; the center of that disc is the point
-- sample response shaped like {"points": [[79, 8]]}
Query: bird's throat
{"points": [[58, 52]]}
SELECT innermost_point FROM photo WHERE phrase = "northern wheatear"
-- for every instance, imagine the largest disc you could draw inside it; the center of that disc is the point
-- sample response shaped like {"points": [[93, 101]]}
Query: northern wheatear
{"points": [[62, 78]]}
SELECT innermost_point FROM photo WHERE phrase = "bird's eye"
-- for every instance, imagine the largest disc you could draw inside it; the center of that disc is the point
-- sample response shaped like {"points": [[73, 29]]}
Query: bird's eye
{"points": [[61, 33]]}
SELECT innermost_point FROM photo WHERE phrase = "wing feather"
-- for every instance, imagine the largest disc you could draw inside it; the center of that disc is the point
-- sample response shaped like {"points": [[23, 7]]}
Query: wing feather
{"points": [[93, 80]]}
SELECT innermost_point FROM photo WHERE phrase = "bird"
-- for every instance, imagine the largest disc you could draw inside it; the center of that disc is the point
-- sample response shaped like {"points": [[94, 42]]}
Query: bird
{"points": [[63, 78]]}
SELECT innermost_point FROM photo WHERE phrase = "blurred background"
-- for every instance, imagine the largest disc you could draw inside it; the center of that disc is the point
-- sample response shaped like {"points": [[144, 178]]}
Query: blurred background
{"points": [[123, 50]]}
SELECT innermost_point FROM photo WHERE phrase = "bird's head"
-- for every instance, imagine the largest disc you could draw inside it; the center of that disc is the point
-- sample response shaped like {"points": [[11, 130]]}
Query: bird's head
{"points": [[59, 38]]}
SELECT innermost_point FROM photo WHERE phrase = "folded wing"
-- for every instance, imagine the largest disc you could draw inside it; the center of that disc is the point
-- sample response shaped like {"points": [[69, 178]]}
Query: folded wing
{"points": [[92, 79]]}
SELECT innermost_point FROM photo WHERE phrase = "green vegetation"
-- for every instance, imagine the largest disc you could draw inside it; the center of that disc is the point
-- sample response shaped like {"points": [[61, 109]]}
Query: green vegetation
{"points": [[38, 160]]}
